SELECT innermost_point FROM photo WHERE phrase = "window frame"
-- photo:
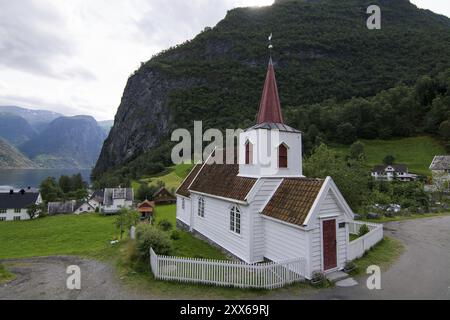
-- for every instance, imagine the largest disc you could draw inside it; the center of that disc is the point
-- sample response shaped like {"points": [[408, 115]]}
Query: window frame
{"points": [[235, 220], [201, 207], [248, 153], [17, 210], [183, 204], [283, 160], [3, 211]]}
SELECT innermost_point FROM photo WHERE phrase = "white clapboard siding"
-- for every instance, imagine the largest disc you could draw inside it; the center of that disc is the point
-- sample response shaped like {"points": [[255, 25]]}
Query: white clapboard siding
{"points": [[184, 215], [265, 190], [227, 273], [283, 241], [216, 226], [358, 247]]}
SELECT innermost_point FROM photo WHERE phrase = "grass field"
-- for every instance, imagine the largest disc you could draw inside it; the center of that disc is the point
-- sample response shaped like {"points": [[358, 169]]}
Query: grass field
{"points": [[61, 235], [5, 275], [417, 152], [172, 177]]}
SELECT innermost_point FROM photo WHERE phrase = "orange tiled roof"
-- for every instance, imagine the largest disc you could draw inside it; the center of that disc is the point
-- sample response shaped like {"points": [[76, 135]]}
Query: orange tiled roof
{"points": [[183, 189], [293, 200], [222, 180]]}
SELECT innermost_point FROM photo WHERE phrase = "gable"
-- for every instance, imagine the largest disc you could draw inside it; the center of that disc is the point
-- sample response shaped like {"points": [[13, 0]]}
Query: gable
{"points": [[329, 202]]}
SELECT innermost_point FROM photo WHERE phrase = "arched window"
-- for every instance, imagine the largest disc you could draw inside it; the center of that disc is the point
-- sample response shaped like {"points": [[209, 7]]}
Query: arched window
{"points": [[201, 207], [283, 156], [235, 220], [248, 153]]}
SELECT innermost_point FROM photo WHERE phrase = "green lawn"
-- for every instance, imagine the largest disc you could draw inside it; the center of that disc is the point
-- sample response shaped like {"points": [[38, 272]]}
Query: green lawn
{"points": [[383, 255], [5, 275], [417, 152], [187, 246], [60, 235], [172, 177]]}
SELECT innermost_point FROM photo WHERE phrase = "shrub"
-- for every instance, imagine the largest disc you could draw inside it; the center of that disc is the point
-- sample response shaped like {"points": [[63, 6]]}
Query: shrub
{"points": [[165, 225], [148, 237], [363, 230], [175, 235]]}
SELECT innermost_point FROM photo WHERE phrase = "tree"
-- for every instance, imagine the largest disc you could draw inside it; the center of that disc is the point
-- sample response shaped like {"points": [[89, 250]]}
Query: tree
{"points": [[126, 219], [65, 184], [34, 210], [77, 182], [145, 192], [50, 190], [351, 177], [357, 151], [346, 133], [444, 130], [389, 160]]}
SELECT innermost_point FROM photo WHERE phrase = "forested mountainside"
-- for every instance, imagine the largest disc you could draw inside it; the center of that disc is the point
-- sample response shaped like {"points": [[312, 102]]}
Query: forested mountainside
{"points": [[67, 142], [324, 56]]}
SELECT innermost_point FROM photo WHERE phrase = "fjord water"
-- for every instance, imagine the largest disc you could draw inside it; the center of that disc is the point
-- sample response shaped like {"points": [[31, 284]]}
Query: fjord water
{"points": [[22, 178]]}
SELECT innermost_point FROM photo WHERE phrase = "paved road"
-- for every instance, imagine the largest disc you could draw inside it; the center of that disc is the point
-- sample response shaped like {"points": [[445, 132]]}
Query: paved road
{"points": [[422, 272]]}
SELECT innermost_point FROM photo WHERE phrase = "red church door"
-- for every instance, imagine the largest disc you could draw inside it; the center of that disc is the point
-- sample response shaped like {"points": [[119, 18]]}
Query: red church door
{"points": [[329, 245]]}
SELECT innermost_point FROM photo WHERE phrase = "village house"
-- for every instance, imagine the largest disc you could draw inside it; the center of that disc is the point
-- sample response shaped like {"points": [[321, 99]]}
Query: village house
{"points": [[14, 205], [115, 199], [259, 212], [163, 196], [394, 172], [440, 168], [146, 209]]}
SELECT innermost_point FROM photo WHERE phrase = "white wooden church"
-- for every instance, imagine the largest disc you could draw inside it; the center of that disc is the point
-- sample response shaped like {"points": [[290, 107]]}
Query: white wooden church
{"points": [[259, 212]]}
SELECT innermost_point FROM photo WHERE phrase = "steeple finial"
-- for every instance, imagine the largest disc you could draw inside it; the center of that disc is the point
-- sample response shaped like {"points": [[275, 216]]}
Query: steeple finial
{"points": [[270, 45]]}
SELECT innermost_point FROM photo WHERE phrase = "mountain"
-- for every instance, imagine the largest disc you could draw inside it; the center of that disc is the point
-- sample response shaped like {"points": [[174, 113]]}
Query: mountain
{"points": [[67, 142], [38, 119], [11, 158], [106, 126], [15, 129], [322, 50]]}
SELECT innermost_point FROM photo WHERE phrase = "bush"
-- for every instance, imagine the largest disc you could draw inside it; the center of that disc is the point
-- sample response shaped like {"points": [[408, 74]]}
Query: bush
{"points": [[363, 230], [175, 235], [148, 237], [165, 225]]}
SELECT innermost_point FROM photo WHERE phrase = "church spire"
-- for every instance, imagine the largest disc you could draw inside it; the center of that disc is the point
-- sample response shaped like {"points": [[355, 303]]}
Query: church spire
{"points": [[270, 108]]}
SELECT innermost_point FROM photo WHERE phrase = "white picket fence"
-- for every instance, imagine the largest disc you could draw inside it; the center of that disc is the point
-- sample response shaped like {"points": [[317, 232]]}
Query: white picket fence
{"points": [[269, 275], [358, 247]]}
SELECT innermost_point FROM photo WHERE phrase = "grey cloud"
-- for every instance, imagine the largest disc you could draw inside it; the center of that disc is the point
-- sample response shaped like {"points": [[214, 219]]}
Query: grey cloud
{"points": [[166, 23], [31, 41]]}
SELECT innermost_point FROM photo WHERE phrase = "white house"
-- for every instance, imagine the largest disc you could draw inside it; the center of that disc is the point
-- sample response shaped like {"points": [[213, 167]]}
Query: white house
{"points": [[259, 210], [440, 167], [397, 172], [115, 199], [13, 205]]}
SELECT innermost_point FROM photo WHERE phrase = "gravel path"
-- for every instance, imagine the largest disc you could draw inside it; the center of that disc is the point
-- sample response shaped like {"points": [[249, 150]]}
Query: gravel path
{"points": [[45, 279]]}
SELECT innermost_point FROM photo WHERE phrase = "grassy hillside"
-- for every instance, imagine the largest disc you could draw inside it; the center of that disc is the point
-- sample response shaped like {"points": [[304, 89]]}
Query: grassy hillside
{"points": [[417, 152], [61, 235], [172, 177]]}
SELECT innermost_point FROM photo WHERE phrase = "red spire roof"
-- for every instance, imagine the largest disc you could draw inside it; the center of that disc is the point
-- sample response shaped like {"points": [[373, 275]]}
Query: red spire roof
{"points": [[270, 108]]}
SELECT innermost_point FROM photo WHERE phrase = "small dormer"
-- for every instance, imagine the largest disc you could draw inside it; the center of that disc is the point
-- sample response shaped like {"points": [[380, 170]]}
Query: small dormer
{"points": [[270, 148]]}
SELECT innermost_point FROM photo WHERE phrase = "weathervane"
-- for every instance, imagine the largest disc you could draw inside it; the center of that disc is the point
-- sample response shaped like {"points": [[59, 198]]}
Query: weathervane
{"points": [[270, 45]]}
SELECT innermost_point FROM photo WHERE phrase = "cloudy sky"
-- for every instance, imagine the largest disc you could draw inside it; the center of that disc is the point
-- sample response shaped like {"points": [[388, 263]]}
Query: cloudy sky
{"points": [[74, 57]]}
